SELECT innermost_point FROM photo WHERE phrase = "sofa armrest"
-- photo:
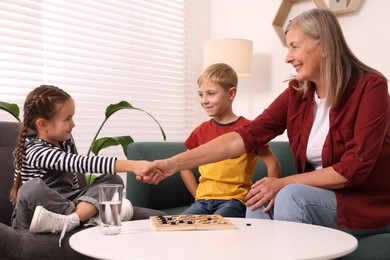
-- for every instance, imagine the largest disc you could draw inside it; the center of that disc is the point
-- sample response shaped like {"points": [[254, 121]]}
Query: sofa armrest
{"points": [[8, 142], [21, 244]]}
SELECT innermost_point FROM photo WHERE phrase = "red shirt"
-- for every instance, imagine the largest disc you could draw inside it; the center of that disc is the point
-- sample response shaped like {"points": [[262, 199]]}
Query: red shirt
{"points": [[211, 129], [357, 144], [229, 179]]}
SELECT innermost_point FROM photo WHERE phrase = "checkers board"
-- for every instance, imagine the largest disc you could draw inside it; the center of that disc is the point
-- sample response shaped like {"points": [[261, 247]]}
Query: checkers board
{"points": [[190, 222]]}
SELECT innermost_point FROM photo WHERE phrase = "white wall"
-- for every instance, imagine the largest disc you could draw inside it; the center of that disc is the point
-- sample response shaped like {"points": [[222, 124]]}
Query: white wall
{"points": [[366, 30]]}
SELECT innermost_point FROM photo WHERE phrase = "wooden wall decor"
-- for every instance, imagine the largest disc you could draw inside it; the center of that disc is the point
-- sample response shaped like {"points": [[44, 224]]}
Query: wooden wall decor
{"points": [[352, 6], [285, 7]]}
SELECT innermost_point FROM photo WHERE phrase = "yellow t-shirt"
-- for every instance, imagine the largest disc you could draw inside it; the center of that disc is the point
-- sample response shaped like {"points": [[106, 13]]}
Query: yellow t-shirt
{"points": [[227, 180]]}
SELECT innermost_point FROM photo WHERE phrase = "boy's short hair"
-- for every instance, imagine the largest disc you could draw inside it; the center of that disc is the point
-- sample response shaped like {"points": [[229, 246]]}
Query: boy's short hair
{"points": [[221, 74]]}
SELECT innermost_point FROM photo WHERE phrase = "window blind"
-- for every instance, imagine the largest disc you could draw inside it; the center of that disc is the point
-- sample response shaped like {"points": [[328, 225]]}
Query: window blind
{"points": [[102, 52]]}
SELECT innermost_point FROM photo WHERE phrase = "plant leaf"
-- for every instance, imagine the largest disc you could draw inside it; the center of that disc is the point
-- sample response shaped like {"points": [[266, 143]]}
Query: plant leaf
{"points": [[105, 142], [13, 109], [111, 109], [155, 120]]}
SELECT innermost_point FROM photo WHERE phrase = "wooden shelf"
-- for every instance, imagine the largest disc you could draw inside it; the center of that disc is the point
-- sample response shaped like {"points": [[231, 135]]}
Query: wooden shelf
{"points": [[280, 18]]}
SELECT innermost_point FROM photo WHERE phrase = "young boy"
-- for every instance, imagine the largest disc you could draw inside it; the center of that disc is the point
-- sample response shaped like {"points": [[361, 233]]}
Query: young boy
{"points": [[223, 185]]}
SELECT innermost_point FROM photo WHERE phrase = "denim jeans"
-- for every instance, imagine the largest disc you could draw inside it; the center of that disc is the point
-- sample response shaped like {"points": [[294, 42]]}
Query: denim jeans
{"points": [[306, 204], [225, 208]]}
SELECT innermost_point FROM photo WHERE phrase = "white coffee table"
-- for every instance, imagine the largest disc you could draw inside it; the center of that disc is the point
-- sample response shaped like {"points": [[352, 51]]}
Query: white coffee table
{"points": [[262, 239]]}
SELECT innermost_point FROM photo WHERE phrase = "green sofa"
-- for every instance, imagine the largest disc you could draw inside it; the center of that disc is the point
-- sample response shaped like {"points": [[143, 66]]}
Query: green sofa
{"points": [[172, 196]]}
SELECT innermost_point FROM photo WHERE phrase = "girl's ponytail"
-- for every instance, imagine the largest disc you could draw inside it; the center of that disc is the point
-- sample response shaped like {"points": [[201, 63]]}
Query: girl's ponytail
{"points": [[18, 163]]}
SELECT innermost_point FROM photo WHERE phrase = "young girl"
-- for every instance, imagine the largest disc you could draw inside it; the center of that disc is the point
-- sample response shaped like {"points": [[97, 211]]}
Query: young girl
{"points": [[46, 193]]}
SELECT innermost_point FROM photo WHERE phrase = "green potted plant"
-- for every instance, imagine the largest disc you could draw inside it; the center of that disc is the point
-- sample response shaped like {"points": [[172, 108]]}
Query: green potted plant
{"points": [[97, 144]]}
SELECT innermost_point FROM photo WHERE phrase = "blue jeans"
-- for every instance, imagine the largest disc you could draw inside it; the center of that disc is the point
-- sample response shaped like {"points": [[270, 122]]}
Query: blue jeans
{"points": [[225, 208], [306, 204]]}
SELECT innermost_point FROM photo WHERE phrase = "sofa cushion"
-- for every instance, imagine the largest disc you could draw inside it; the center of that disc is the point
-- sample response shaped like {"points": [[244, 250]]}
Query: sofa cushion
{"points": [[371, 247], [175, 210], [10, 243]]}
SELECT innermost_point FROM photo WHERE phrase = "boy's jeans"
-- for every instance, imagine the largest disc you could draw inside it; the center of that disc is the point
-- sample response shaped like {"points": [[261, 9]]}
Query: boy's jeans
{"points": [[225, 208]]}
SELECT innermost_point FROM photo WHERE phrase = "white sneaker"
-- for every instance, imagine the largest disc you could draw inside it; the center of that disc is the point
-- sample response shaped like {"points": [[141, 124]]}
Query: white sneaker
{"points": [[127, 210], [45, 221]]}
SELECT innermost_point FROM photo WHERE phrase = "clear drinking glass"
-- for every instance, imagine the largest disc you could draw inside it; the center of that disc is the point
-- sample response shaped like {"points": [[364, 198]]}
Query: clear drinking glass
{"points": [[110, 200]]}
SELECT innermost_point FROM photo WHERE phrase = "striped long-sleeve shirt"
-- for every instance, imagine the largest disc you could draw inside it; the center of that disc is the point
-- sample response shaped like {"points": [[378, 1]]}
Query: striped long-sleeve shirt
{"points": [[58, 166]]}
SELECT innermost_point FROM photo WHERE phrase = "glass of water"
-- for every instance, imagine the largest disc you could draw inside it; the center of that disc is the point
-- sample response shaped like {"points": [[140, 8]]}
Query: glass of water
{"points": [[110, 200]]}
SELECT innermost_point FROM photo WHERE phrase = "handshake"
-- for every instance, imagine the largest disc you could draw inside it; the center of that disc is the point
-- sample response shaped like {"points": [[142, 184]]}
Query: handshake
{"points": [[153, 172]]}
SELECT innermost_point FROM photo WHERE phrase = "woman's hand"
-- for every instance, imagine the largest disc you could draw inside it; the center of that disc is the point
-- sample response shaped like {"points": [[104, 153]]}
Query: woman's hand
{"points": [[264, 191]]}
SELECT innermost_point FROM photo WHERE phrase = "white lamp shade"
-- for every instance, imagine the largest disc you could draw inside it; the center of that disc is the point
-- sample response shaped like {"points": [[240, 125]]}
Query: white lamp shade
{"points": [[237, 53]]}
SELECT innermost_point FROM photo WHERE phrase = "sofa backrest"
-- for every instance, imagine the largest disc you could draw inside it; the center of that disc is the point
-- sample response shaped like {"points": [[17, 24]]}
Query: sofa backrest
{"points": [[8, 142], [172, 191], [282, 151]]}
